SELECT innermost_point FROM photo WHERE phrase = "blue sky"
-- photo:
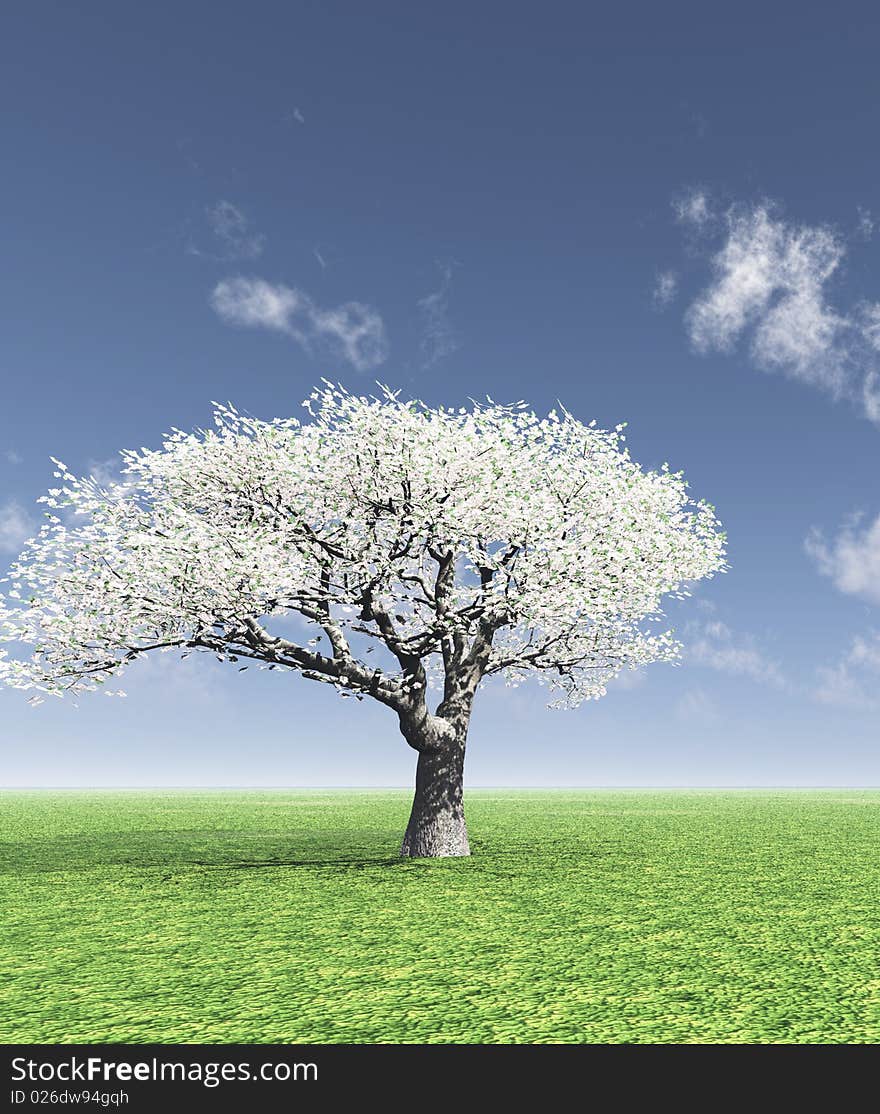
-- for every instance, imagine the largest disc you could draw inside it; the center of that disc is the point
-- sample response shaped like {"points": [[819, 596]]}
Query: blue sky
{"points": [[663, 215]]}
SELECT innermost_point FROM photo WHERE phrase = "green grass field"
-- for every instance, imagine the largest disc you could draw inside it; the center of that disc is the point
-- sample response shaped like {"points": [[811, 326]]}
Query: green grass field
{"points": [[590, 916]]}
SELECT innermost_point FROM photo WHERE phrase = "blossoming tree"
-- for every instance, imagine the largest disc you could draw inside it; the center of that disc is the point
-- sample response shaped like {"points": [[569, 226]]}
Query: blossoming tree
{"points": [[454, 545]]}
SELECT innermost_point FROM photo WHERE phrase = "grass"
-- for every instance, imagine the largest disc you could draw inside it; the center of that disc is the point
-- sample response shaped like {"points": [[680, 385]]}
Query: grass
{"points": [[593, 916]]}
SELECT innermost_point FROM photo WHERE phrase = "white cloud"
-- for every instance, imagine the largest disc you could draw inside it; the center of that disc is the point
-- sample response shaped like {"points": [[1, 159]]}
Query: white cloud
{"points": [[771, 276], [298, 116], [693, 208], [865, 225], [438, 338], [866, 652], [838, 687], [231, 228], [665, 289], [353, 331], [853, 681], [16, 526], [771, 282], [13, 457], [106, 472], [869, 315], [851, 560], [715, 646]]}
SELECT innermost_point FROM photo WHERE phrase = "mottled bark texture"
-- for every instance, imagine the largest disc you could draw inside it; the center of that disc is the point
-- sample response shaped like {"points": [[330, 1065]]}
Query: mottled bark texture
{"points": [[436, 826]]}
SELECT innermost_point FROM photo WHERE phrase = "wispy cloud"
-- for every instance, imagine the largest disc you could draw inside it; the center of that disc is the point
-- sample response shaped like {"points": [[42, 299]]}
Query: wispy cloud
{"points": [[16, 526], [714, 645], [771, 281], [851, 559], [353, 331], [693, 208], [665, 289], [853, 681], [233, 233], [438, 337], [696, 706], [12, 457], [865, 226], [106, 472]]}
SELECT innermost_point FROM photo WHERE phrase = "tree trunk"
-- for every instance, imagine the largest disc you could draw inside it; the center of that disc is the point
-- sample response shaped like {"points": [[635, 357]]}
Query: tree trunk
{"points": [[436, 826]]}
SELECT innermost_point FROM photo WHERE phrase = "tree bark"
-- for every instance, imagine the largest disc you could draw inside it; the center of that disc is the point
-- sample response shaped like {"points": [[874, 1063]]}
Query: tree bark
{"points": [[436, 826]]}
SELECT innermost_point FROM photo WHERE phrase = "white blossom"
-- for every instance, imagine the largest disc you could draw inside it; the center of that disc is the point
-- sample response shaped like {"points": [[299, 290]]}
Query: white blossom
{"points": [[483, 541]]}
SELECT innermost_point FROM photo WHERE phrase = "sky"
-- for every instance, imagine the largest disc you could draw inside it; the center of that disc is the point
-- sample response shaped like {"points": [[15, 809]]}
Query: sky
{"points": [[666, 215]]}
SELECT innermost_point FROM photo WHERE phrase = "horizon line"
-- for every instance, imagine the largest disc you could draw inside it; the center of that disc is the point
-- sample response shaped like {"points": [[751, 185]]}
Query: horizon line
{"points": [[408, 787]]}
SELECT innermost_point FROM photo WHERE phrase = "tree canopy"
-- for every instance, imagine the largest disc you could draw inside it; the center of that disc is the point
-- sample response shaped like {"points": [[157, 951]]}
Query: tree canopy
{"points": [[451, 544]]}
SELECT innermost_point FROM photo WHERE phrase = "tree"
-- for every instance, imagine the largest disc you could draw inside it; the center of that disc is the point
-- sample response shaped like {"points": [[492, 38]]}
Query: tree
{"points": [[456, 545]]}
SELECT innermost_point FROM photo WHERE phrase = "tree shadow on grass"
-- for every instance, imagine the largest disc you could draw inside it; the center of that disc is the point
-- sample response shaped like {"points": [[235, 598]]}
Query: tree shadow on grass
{"points": [[268, 864], [234, 850], [201, 850]]}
